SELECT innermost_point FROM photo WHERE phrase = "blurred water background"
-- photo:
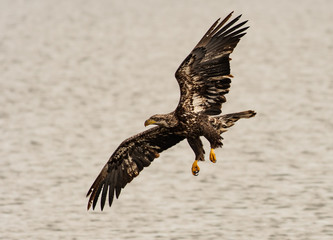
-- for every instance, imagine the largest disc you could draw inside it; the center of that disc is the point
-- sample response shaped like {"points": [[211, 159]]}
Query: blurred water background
{"points": [[78, 77]]}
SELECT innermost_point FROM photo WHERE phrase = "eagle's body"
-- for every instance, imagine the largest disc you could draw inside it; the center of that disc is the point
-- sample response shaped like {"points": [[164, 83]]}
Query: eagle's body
{"points": [[204, 79]]}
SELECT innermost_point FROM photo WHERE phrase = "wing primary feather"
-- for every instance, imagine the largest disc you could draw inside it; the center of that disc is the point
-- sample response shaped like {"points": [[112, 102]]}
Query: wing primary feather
{"points": [[121, 179], [228, 25], [209, 33], [231, 39], [94, 185], [97, 194], [111, 194], [240, 35], [212, 30], [103, 197], [93, 189], [233, 28], [111, 188], [222, 23], [234, 37], [108, 180], [118, 191]]}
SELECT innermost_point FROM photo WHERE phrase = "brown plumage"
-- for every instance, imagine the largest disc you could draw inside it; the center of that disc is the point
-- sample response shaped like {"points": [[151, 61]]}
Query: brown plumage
{"points": [[204, 79]]}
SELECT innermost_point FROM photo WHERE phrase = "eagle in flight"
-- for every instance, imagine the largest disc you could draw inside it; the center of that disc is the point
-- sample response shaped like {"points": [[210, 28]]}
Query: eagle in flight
{"points": [[204, 79]]}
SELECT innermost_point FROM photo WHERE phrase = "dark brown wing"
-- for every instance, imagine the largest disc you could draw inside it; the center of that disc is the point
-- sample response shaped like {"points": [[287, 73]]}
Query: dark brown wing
{"points": [[204, 76], [128, 161]]}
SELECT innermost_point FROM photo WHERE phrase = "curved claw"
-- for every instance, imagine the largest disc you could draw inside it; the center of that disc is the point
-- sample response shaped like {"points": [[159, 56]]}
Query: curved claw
{"points": [[195, 168]]}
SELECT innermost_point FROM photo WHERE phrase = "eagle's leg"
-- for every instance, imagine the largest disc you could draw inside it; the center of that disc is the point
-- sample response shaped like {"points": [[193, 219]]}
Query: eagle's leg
{"points": [[214, 138], [199, 152]]}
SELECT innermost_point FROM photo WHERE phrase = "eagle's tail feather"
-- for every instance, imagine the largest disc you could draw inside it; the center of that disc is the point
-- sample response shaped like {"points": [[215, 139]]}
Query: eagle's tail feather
{"points": [[225, 121], [236, 116]]}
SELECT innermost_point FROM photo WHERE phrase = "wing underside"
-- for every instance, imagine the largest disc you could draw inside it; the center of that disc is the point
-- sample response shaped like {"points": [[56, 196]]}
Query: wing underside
{"points": [[128, 161], [204, 76]]}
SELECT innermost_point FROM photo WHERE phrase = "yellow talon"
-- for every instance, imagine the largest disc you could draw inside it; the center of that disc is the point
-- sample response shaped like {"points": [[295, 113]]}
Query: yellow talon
{"points": [[212, 156], [195, 168]]}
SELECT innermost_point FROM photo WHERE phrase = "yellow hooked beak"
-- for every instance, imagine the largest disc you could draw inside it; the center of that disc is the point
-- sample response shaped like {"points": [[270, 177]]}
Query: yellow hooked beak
{"points": [[149, 121]]}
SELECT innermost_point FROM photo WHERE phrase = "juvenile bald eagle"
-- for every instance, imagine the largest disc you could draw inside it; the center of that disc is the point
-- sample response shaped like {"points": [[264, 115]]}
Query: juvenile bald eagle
{"points": [[204, 79]]}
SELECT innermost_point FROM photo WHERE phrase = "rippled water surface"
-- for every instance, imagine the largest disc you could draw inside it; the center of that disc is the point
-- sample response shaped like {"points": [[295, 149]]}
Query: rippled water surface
{"points": [[78, 77]]}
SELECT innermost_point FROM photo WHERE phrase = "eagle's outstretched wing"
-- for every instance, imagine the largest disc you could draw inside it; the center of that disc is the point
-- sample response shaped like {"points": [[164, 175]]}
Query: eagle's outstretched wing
{"points": [[128, 160], [204, 76]]}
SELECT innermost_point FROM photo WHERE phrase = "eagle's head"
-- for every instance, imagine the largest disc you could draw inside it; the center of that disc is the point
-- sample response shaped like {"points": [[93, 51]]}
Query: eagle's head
{"points": [[163, 120]]}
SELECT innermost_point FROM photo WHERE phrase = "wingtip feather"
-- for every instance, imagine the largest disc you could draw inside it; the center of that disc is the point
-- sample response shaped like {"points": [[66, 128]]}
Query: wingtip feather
{"points": [[88, 206]]}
